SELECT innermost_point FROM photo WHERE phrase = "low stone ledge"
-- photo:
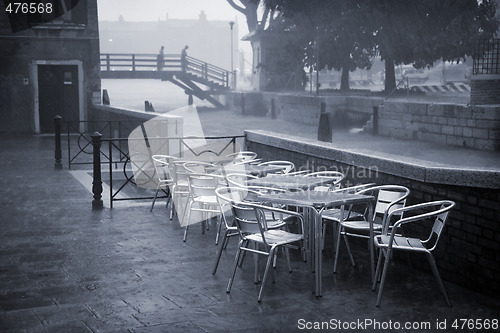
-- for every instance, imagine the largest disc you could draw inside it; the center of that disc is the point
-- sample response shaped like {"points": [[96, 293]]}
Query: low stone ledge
{"points": [[406, 167]]}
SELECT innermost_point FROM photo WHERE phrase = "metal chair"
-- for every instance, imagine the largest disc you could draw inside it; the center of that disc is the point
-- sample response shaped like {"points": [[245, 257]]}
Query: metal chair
{"points": [[389, 198], [197, 166], [389, 241], [334, 176], [252, 225], [239, 179], [243, 156], [180, 189], [333, 214], [201, 198], [286, 166], [164, 179], [226, 195]]}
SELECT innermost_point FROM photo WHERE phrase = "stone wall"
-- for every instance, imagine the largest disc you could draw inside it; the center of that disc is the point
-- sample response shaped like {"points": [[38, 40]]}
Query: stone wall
{"points": [[347, 110], [469, 251], [458, 125], [485, 89]]}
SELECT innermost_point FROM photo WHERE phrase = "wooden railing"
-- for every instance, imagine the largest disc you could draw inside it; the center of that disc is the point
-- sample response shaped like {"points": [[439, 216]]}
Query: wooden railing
{"points": [[172, 63]]}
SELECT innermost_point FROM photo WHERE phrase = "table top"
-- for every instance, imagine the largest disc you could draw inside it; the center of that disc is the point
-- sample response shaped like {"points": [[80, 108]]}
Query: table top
{"points": [[289, 182], [316, 199]]}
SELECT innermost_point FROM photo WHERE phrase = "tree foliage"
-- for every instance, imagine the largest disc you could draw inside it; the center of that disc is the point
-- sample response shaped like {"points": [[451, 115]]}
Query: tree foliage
{"points": [[347, 34]]}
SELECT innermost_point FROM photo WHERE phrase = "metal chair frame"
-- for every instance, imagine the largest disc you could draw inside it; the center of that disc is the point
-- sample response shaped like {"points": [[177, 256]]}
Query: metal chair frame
{"points": [[389, 240]]}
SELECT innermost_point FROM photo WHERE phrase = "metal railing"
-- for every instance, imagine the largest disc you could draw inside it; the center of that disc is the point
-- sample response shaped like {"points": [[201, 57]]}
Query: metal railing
{"points": [[116, 156], [486, 56]]}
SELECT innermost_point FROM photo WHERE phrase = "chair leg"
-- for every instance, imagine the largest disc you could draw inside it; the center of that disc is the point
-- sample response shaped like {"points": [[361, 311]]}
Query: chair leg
{"points": [[377, 272], [287, 254], [219, 229], [220, 252], [188, 209], [337, 245], [266, 272], [382, 279], [435, 272], [236, 260], [351, 258], [154, 199]]}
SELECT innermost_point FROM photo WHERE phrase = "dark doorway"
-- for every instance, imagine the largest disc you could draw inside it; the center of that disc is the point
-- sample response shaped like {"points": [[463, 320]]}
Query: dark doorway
{"points": [[57, 94]]}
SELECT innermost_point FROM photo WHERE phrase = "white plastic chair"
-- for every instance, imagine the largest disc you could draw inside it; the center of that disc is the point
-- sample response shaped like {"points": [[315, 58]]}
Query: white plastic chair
{"points": [[389, 241], [258, 238]]}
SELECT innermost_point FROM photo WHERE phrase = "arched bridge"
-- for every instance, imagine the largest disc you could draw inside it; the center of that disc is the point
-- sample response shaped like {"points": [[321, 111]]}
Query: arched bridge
{"points": [[188, 77]]}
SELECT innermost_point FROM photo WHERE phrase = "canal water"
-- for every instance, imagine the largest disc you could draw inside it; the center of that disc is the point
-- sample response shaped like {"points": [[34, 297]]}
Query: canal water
{"points": [[131, 94]]}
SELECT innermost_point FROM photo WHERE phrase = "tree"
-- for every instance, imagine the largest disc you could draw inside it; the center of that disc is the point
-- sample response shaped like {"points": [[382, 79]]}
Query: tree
{"points": [[334, 33], [249, 9], [422, 32]]}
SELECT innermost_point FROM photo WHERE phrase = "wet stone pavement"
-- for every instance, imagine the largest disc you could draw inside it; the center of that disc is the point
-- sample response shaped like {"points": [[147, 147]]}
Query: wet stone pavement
{"points": [[67, 268]]}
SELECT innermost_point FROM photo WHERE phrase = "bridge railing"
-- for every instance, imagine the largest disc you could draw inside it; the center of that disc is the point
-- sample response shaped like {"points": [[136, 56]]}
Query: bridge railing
{"points": [[121, 62], [209, 72]]}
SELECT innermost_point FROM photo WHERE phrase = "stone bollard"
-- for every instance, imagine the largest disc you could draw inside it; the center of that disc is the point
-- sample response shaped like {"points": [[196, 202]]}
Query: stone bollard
{"points": [[105, 97], [273, 109], [243, 103], [58, 152], [325, 125], [375, 120], [97, 182]]}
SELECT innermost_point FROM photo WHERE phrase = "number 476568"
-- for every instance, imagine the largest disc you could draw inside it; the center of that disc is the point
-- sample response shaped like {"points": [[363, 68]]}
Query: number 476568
{"points": [[475, 324], [29, 8]]}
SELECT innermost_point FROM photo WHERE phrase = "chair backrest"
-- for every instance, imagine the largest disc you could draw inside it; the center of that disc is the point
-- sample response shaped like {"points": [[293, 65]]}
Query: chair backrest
{"points": [[238, 179], [197, 166], [245, 219], [202, 184], [389, 198], [243, 156], [354, 189], [436, 211], [161, 164], [285, 166], [334, 178], [252, 218], [180, 172]]}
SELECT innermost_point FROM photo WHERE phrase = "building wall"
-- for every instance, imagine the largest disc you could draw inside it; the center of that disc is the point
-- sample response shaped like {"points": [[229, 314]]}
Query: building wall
{"points": [[469, 250], [56, 42]]}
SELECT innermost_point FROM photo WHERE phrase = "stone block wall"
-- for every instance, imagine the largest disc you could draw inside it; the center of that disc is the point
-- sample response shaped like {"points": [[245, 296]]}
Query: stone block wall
{"points": [[458, 125], [305, 108], [468, 253], [485, 91]]}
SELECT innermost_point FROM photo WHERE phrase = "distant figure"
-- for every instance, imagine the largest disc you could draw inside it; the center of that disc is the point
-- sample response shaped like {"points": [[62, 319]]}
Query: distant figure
{"points": [[183, 58], [159, 59]]}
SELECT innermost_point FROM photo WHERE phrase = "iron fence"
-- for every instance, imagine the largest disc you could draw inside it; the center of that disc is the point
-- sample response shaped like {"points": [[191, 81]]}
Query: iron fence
{"points": [[486, 56]]}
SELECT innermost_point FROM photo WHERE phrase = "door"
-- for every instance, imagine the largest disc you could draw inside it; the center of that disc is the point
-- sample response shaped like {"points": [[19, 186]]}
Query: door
{"points": [[57, 94]]}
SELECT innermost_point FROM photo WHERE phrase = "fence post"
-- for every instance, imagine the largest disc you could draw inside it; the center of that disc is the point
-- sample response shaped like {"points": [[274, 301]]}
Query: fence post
{"points": [[58, 152], [97, 182], [375, 120]]}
